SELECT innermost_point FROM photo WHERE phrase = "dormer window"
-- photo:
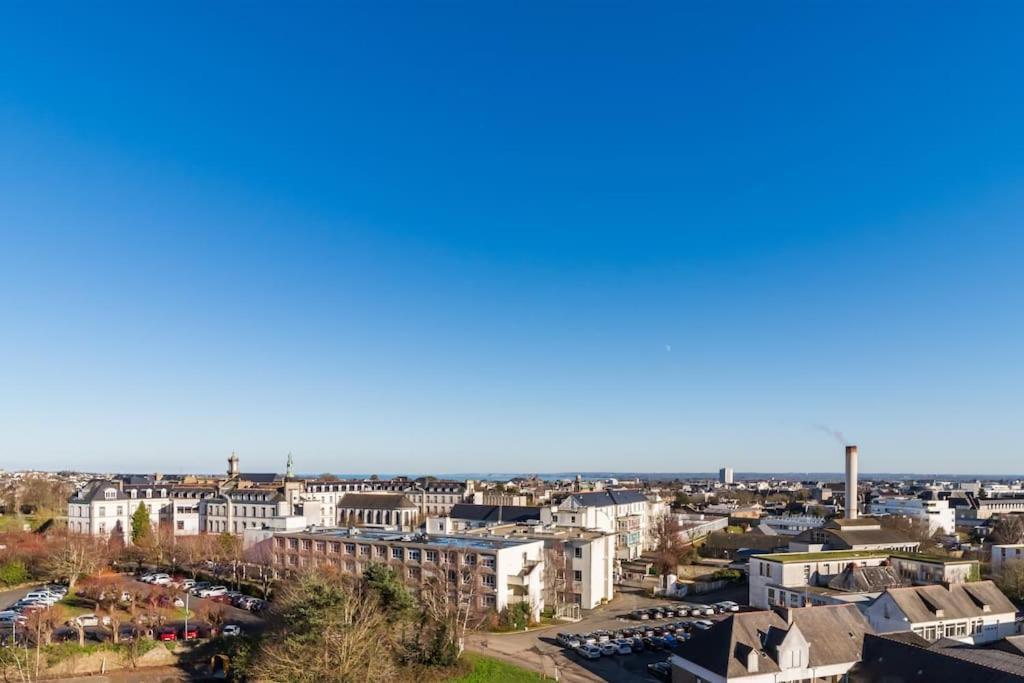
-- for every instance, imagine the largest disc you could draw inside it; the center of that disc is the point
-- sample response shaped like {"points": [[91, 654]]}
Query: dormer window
{"points": [[110, 494], [133, 493]]}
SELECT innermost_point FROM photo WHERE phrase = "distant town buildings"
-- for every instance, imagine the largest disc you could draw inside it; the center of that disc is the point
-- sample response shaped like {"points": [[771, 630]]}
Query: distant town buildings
{"points": [[725, 476]]}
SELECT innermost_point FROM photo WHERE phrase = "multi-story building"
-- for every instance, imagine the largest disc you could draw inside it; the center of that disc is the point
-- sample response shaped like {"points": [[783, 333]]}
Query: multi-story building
{"points": [[784, 579], [624, 512], [106, 506], [236, 510], [863, 533], [938, 514], [725, 476], [1003, 553], [975, 612], [791, 525], [492, 573], [579, 565]]}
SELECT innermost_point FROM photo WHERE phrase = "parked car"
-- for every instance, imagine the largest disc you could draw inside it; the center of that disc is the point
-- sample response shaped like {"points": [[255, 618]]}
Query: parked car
{"points": [[660, 670], [89, 619], [670, 640], [212, 591], [608, 649], [728, 606], [160, 579], [706, 610], [191, 633], [43, 596], [653, 643], [231, 630], [623, 648], [167, 633], [56, 589], [198, 586], [589, 651], [669, 612], [640, 615], [703, 624]]}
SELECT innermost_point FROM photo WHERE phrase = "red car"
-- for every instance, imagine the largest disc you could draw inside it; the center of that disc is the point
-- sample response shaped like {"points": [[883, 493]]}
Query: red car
{"points": [[191, 633], [167, 634]]}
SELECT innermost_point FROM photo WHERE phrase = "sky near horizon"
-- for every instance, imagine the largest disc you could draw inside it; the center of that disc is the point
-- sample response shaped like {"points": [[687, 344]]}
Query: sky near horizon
{"points": [[511, 237]]}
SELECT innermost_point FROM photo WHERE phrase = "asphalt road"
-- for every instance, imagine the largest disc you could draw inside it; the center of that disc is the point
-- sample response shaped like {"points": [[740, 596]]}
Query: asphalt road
{"points": [[539, 650]]}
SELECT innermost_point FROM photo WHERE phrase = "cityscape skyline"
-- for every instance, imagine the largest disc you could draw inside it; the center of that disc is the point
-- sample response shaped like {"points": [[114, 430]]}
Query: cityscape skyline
{"points": [[471, 239]]}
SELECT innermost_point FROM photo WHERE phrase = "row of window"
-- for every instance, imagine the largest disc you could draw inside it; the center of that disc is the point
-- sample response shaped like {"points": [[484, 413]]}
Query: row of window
{"points": [[381, 552], [411, 573]]}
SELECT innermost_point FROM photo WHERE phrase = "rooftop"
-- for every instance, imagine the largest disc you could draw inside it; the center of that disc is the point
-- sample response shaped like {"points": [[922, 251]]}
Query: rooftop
{"points": [[829, 555], [466, 542]]}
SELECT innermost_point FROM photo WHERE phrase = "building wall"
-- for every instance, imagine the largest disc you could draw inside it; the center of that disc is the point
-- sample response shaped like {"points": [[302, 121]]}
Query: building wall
{"points": [[885, 617], [1005, 553]]}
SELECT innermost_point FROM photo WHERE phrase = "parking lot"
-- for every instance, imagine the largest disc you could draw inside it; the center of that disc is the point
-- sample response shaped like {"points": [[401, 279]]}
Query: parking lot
{"points": [[540, 650]]}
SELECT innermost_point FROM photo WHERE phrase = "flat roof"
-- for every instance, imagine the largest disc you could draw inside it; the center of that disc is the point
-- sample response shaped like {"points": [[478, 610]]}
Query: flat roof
{"points": [[477, 542], [826, 555]]}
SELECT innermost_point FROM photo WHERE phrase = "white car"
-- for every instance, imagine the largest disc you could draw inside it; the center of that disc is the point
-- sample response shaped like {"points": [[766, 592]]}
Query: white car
{"points": [[231, 630], [213, 591], [589, 651], [45, 597], [89, 620], [623, 648], [728, 606], [703, 624], [159, 579]]}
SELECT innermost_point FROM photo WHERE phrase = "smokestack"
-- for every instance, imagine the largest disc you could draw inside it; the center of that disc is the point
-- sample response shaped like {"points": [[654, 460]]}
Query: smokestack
{"points": [[851, 482]]}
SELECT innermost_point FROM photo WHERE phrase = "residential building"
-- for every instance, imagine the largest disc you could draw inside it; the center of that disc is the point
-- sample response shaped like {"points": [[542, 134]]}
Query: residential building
{"points": [[621, 511], [1003, 553], [106, 506], [803, 644], [579, 564], [940, 516], [975, 612], [725, 476], [788, 579], [492, 573]]}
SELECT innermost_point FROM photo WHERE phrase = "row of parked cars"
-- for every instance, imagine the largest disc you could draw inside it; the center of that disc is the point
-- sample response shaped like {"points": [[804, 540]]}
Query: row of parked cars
{"points": [[684, 609], [40, 598], [205, 589], [630, 640]]}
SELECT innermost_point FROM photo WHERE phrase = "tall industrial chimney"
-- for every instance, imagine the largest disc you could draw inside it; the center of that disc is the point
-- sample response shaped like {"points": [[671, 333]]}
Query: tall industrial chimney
{"points": [[851, 482]]}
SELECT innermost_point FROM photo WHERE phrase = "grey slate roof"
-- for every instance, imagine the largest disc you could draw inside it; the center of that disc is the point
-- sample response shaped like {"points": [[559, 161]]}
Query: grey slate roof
{"points": [[959, 601], [866, 579], [608, 497], [375, 501], [835, 634], [94, 491], [905, 657], [495, 513]]}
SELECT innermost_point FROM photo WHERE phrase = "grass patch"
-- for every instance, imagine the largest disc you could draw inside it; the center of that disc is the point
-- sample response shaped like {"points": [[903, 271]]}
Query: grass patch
{"points": [[489, 670], [56, 653]]}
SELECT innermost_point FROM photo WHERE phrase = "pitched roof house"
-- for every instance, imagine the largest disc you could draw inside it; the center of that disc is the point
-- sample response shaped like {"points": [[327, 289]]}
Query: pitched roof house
{"points": [[790, 644]]}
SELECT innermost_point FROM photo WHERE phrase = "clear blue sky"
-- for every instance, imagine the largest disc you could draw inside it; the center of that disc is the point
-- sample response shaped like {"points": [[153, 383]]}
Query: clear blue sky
{"points": [[512, 236]]}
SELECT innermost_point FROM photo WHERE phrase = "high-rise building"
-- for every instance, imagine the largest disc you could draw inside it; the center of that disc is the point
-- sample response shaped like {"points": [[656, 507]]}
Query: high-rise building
{"points": [[725, 475]]}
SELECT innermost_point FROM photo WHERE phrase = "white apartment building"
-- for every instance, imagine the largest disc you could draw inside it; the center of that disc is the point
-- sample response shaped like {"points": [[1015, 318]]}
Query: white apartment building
{"points": [[779, 579], [939, 515], [624, 512], [1003, 553], [104, 506], [976, 612]]}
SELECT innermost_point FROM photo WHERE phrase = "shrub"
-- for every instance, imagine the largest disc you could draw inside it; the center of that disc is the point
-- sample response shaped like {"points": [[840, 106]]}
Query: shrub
{"points": [[13, 572]]}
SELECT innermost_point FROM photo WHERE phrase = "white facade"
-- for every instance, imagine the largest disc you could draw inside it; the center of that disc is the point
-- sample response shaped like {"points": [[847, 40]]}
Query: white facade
{"points": [[770, 573], [940, 517], [105, 506], [1006, 553], [885, 616]]}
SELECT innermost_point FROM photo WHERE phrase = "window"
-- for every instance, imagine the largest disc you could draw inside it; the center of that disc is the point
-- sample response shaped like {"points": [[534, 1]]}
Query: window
{"points": [[103, 511], [431, 556], [335, 547], [396, 553], [306, 544], [350, 548], [489, 580], [470, 559], [364, 551], [771, 595], [180, 525], [489, 601], [293, 543], [577, 552], [103, 527], [488, 561], [110, 494], [577, 575]]}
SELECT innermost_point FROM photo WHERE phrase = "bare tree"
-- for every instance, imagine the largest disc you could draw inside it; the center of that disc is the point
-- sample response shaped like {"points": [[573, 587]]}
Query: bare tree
{"points": [[261, 557], [1011, 579], [73, 556], [1009, 529], [670, 546]]}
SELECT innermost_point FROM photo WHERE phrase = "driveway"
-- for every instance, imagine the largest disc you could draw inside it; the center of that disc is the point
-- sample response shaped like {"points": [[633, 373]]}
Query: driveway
{"points": [[539, 651]]}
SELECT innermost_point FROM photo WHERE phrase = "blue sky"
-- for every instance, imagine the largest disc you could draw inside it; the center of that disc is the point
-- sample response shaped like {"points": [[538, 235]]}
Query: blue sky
{"points": [[511, 236]]}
